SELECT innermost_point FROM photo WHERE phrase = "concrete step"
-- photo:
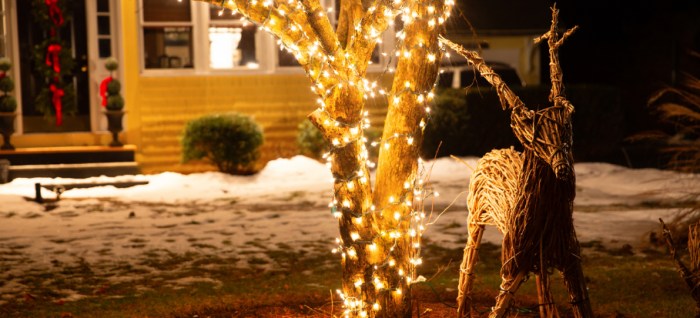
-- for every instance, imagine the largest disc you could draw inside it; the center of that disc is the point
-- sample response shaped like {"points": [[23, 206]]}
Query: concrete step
{"points": [[68, 155], [73, 170]]}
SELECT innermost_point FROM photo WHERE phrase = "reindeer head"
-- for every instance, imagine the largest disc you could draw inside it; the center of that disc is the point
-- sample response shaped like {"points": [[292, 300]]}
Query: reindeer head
{"points": [[547, 133]]}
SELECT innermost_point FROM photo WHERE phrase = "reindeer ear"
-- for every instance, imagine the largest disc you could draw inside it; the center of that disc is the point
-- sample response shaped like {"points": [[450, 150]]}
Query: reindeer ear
{"points": [[568, 106]]}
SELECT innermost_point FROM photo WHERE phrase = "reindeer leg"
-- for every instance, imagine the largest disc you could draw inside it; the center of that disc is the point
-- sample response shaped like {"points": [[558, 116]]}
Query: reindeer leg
{"points": [[576, 285], [466, 270], [508, 289], [544, 294]]}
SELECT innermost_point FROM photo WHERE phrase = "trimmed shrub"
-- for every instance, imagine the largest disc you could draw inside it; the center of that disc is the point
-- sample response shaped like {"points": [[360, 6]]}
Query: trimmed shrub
{"points": [[8, 103], [7, 84], [115, 101], [312, 144], [229, 141], [310, 140], [473, 123]]}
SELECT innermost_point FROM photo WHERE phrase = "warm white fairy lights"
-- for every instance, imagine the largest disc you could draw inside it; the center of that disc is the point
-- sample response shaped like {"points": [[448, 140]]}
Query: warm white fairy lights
{"points": [[302, 28]]}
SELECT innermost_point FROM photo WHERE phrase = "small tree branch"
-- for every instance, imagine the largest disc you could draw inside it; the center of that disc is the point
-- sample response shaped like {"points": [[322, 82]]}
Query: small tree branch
{"points": [[350, 11], [691, 279], [505, 94], [362, 36], [318, 20]]}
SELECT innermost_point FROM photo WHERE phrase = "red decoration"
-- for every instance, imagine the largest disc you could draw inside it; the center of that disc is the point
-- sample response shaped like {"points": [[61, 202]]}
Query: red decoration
{"points": [[103, 90], [56, 100], [53, 57], [55, 12]]}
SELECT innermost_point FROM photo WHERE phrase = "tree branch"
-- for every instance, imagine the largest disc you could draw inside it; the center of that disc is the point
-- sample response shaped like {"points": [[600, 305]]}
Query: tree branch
{"points": [[318, 20], [363, 37], [284, 19], [350, 10]]}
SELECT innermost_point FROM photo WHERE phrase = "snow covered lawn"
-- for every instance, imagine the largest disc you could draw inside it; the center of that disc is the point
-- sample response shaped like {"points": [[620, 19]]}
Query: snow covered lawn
{"points": [[159, 230]]}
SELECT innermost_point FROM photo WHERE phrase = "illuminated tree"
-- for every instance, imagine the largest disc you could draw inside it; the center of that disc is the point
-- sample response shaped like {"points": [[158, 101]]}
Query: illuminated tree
{"points": [[380, 227]]}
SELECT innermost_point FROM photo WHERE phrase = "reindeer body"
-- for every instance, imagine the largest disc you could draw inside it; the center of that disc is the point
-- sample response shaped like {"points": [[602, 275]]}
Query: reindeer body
{"points": [[528, 196], [531, 203]]}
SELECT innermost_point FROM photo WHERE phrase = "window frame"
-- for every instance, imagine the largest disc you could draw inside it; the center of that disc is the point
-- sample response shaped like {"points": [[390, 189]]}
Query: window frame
{"points": [[266, 48], [263, 43], [142, 47]]}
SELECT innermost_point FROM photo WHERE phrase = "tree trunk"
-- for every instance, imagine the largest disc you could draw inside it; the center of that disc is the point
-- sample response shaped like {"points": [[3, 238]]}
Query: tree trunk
{"points": [[398, 157], [379, 246]]}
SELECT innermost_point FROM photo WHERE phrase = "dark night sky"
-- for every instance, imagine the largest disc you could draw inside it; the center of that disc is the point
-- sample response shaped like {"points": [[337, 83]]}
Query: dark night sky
{"points": [[637, 47]]}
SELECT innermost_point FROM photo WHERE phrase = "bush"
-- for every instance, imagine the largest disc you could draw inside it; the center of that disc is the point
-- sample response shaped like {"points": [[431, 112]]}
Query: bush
{"points": [[114, 87], [473, 123], [230, 141], [312, 144], [470, 124], [310, 140], [7, 84], [115, 101], [8, 104]]}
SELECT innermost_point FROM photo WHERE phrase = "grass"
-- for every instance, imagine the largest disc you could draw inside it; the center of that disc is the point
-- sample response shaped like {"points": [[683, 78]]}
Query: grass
{"points": [[299, 284]]}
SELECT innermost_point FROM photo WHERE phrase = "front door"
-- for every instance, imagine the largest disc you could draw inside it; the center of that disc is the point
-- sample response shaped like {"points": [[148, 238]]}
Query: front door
{"points": [[53, 66]]}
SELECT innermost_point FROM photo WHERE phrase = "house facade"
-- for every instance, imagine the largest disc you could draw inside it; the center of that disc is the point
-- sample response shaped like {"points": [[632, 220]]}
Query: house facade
{"points": [[178, 60]]}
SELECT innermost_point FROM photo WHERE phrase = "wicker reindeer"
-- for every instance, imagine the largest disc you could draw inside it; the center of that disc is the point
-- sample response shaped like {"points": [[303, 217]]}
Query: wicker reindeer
{"points": [[528, 196]]}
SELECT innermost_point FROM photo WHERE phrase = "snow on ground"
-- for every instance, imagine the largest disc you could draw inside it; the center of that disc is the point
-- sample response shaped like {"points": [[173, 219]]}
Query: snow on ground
{"points": [[119, 232], [280, 176]]}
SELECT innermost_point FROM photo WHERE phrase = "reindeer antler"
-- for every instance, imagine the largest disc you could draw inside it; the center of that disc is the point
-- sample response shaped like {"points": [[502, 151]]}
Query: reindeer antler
{"points": [[556, 95], [505, 94]]}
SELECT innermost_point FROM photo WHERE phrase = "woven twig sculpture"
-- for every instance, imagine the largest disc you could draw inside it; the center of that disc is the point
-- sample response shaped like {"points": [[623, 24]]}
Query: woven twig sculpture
{"points": [[528, 196], [691, 275]]}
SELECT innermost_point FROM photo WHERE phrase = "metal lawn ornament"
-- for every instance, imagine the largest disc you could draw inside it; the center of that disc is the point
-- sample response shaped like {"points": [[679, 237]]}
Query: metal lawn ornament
{"points": [[528, 196]]}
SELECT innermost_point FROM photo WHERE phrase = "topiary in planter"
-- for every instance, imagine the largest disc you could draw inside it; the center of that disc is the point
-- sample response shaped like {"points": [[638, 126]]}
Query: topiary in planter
{"points": [[8, 103], [111, 87], [229, 141]]}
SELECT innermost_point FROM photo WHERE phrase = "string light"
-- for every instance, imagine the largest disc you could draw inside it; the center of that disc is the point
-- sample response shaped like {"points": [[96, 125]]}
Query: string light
{"points": [[334, 72]]}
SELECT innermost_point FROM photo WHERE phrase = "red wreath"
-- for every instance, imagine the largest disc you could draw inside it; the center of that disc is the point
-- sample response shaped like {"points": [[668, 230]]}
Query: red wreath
{"points": [[53, 59]]}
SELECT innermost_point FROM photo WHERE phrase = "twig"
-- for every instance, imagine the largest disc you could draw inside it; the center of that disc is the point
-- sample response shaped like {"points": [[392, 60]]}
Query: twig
{"points": [[692, 280], [462, 161], [432, 221]]}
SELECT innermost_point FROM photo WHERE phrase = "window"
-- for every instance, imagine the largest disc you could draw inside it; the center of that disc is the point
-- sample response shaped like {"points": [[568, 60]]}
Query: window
{"points": [[232, 41], [202, 38], [104, 29], [167, 34]]}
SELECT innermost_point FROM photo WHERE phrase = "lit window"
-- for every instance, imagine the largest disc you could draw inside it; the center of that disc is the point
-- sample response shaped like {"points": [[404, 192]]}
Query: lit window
{"points": [[232, 41], [167, 34]]}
